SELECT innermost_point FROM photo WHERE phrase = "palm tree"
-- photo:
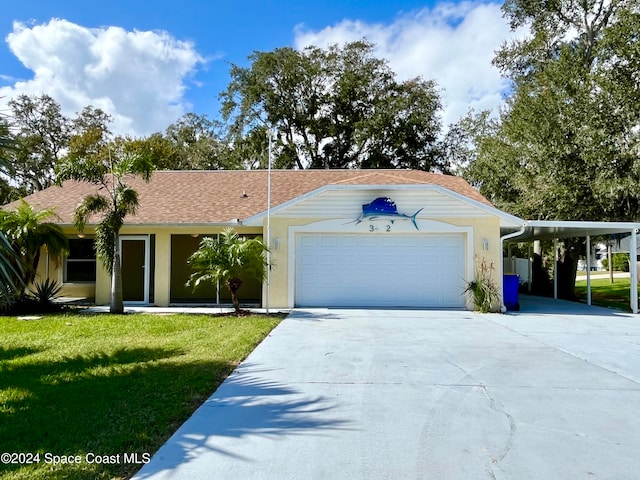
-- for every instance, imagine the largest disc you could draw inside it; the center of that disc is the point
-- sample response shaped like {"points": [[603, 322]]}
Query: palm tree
{"points": [[9, 275], [229, 261], [27, 232], [10, 271], [106, 165], [122, 201]]}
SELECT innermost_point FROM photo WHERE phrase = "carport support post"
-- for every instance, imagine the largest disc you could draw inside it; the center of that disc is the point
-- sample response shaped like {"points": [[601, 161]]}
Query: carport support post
{"points": [[530, 268], [588, 269], [633, 271], [555, 268]]}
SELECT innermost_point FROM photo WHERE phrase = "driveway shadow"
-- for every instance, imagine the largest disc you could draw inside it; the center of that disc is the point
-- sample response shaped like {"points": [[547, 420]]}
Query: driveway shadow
{"points": [[531, 304], [244, 405], [313, 315]]}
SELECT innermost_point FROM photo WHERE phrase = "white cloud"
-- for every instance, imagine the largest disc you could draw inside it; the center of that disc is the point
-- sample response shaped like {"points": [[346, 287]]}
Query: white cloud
{"points": [[453, 44], [137, 77]]}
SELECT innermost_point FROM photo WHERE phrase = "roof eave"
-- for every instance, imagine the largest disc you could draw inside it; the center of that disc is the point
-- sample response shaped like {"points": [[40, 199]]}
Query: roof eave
{"points": [[238, 223]]}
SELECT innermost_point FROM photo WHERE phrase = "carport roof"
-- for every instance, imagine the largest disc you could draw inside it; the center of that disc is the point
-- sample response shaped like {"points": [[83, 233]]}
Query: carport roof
{"points": [[550, 229], [546, 229]]}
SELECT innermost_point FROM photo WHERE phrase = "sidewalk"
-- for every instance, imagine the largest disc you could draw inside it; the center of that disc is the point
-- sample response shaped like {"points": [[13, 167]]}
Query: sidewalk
{"points": [[181, 309], [582, 275]]}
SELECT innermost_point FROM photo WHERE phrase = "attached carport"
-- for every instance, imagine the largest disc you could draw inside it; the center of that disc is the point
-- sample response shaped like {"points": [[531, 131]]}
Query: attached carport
{"points": [[553, 230]]}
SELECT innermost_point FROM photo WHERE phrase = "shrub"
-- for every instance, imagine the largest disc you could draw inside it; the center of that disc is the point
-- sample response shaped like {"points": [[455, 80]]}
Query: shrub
{"points": [[45, 292], [39, 299], [8, 300], [482, 289], [620, 262]]}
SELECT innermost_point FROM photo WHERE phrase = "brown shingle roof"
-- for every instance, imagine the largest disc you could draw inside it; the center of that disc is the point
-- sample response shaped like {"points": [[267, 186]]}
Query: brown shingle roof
{"points": [[217, 196]]}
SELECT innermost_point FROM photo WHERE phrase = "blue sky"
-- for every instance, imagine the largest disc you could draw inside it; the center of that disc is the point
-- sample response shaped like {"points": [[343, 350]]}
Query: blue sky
{"points": [[147, 62]]}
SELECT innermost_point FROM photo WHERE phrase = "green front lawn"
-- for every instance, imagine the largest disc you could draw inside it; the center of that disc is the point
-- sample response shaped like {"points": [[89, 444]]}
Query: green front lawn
{"points": [[606, 294], [72, 385]]}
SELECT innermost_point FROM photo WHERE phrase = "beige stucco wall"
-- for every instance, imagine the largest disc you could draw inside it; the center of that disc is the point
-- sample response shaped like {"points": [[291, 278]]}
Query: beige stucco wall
{"points": [[100, 291], [162, 258], [279, 287], [52, 268], [486, 228], [483, 227]]}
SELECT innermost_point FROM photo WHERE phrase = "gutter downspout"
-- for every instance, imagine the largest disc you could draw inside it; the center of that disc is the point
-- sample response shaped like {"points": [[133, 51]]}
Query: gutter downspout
{"points": [[509, 236]]}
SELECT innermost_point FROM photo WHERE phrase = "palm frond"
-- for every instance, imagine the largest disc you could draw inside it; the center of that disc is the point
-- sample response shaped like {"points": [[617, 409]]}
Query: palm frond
{"points": [[90, 205], [28, 231], [46, 291], [230, 257], [127, 199], [10, 267]]}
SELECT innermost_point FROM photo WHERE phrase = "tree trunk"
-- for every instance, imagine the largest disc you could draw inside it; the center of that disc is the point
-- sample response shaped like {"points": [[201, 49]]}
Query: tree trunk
{"points": [[34, 267], [567, 269], [234, 285], [116, 304], [610, 258]]}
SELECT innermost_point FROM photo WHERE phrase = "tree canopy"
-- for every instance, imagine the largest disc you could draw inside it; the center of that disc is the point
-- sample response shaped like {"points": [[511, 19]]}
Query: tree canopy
{"points": [[34, 137], [339, 107], [6, 144], [42, 133], [566, 144]]}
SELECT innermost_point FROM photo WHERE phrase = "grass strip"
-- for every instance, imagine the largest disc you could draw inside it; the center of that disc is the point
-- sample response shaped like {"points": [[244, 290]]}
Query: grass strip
{"points": [[75, 384], [606, 294]]}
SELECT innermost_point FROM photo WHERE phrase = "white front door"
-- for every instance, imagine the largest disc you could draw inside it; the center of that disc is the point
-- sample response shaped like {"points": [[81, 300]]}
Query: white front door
{"points": [[135, 261]]}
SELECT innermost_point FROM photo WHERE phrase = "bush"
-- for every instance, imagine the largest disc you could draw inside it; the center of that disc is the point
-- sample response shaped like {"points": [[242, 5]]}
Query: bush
{"points": [[620, 262], [8, 300], [40, 299], [28, 306], [45, 292], [482, 290]]}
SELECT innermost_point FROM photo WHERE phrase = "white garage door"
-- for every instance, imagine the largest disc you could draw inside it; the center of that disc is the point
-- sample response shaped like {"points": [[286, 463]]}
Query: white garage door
{"points": [[351, 270]]}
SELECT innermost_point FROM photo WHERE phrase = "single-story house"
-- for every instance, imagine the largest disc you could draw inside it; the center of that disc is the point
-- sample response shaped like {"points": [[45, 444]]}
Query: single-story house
{"points": [[383, 238]]}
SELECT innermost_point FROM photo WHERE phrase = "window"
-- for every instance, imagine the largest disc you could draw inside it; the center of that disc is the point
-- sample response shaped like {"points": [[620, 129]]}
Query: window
{"points": [[80, 264]]}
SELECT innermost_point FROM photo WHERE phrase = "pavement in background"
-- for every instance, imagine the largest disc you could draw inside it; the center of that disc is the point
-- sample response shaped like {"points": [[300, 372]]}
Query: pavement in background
{"points": [[400, 394]]}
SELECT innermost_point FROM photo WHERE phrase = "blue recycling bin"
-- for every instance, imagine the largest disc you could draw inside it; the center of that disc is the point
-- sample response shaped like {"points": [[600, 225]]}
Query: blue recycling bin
{"points": [[510, 285]]}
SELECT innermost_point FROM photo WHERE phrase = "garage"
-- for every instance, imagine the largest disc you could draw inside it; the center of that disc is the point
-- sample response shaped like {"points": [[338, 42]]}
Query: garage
{"points": [[380, 270]]}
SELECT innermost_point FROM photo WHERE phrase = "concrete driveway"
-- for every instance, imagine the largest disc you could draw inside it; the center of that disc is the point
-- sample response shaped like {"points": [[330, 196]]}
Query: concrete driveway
{"points": [[387, 394]]}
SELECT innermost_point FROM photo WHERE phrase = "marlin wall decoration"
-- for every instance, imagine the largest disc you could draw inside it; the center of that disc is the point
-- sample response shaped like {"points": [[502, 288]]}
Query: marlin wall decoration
{"points": [[383, 208]]}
